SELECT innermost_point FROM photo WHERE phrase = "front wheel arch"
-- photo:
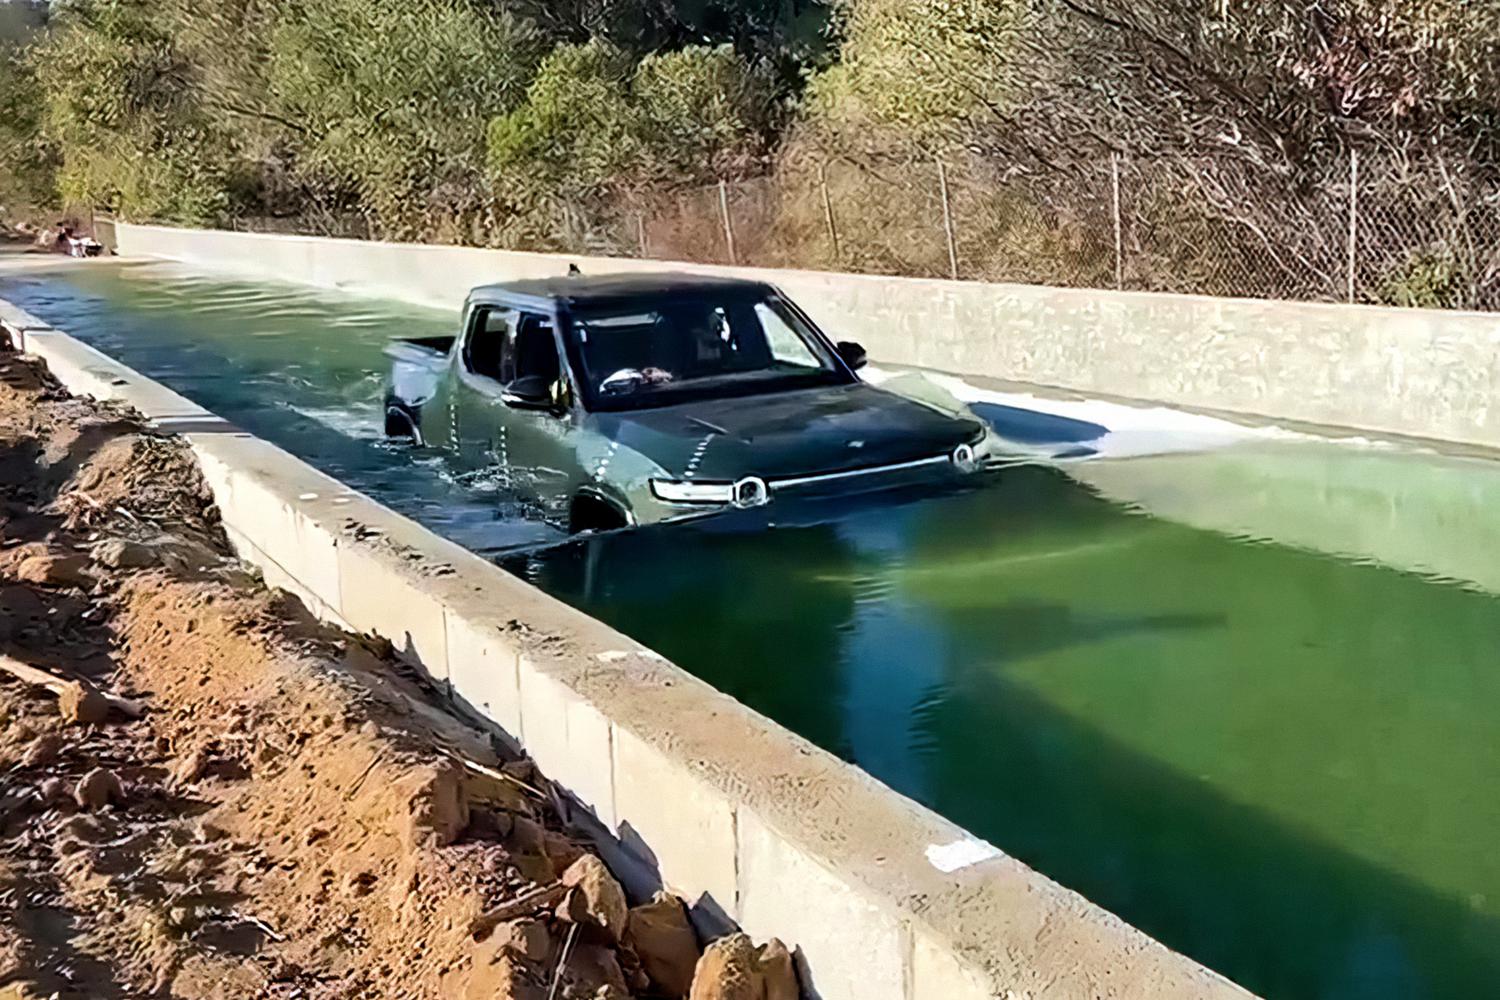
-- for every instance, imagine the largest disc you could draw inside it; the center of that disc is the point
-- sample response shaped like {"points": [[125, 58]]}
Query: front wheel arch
{"points": [[593, 511]]}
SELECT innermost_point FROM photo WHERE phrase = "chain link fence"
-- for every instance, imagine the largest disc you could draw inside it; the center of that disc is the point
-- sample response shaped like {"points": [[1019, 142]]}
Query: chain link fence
{"points": [[1390, 230]]}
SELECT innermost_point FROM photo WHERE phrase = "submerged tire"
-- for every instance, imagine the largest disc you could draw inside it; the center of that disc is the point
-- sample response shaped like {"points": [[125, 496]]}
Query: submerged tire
{"points": [[401, 423], [589, 512]]}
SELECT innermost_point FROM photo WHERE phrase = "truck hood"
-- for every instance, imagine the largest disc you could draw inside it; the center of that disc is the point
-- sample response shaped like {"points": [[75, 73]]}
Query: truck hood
{"points": [[798, 433]]}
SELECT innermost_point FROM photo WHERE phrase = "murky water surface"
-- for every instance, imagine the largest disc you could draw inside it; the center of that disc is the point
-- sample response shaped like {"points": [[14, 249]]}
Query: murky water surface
{"points": [[1248, 699]]}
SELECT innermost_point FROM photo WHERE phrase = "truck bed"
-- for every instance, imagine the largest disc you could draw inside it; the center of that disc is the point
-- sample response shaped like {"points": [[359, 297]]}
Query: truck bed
{"points": [[423, 351], [417, 366]]}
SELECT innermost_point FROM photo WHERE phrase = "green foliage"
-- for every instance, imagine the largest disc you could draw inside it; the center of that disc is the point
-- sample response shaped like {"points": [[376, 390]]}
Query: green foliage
{"points": [[791, 35], [541, 121], [595, 125], [705, 112], [120, 104], [1062, 80], [927, 69], [1427, 279], [574, 133], [392, 98], [26, 166]]}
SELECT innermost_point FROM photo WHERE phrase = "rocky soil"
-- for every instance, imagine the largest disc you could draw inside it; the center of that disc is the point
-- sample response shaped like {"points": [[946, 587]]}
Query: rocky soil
{"points": [[204, 793]]}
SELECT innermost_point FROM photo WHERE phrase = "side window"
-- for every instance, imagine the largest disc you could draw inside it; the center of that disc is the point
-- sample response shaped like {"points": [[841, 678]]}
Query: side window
{"points": [[535, 347], [485, 343], [786, 346]]}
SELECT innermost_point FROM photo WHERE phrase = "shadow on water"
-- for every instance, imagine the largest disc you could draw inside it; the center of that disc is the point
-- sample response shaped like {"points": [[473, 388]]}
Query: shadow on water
{"points": [[1220, 742], [1032, 427]]}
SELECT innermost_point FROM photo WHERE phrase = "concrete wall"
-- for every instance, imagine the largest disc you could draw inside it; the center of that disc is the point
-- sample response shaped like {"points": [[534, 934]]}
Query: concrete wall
{"points": [[750, 823], [1403, 371]]}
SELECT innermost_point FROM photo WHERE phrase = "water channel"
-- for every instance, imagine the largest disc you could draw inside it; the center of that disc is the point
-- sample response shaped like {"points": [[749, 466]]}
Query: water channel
{"points": [[1245, 698]]}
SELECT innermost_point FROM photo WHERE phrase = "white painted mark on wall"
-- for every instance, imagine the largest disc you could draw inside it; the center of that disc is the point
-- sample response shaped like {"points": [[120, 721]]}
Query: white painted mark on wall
{"points": [[949, 858]]}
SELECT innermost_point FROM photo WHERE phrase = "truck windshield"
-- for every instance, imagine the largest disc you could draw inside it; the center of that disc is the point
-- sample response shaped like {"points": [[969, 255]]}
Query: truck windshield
{"points": [[697, 347]]}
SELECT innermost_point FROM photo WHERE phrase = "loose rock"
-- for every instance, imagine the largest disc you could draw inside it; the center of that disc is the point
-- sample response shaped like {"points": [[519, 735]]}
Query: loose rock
{"points": [[438, 811], [527, 938], [495, 791], [192, 767], [561, 851], [97, 789], [527, 843], [779, 971], [729, 970], [53, 791], [55, 570], [665, 942], [121, 553], [43, 750], [82, 705], [595, 968], [594, 897]]}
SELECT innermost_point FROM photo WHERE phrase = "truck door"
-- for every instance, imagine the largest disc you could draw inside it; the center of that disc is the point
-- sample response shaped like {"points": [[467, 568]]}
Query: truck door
{"points": [[529, 448], [539, 447], [480, 380]]}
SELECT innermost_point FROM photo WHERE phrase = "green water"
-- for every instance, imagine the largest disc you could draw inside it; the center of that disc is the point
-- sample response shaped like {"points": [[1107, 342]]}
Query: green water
{"points": [[301, 368], [1247, 699]]}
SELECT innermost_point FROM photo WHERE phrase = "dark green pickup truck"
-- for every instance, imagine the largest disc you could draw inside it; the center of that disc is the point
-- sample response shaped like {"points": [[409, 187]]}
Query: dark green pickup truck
{"points": [[633, 399]]}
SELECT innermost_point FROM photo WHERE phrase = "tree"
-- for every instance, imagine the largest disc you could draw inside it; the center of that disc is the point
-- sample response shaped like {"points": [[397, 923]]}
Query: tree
{"points": [[393, 99], [792, 36], [117, 101], [596, 126], [26, 164]]}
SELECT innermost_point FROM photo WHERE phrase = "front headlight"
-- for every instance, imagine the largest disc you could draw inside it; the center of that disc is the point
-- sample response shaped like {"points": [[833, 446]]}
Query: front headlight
{"points": [[751, 491], [964, 459], [679, 491], [976, 453]]}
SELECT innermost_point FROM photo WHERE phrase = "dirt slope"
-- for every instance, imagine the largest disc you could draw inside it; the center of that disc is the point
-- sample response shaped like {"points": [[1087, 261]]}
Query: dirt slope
{"points": [[292, 814]]}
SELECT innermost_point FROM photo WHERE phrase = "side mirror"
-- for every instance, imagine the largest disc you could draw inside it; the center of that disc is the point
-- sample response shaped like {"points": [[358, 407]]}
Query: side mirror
{"points": [[529, 392], [853, 354]]}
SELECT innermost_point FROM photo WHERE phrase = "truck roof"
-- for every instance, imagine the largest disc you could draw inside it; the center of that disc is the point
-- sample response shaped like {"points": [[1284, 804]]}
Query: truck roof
{"points": [[603, 289]]}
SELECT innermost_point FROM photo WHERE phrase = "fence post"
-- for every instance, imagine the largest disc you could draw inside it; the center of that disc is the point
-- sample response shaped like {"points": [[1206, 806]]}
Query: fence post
{"points": [[1353, 217], [1114, 170], [728, 225], [640, 233], [833, 231], [948, 221]]}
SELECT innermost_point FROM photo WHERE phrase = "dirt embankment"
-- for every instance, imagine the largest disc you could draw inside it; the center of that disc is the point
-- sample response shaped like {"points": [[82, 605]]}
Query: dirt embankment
{"points": [[210, 795]]}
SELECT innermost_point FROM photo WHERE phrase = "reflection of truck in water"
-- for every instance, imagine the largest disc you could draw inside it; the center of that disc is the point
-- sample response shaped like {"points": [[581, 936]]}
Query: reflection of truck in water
{"points": [[634, 399]]}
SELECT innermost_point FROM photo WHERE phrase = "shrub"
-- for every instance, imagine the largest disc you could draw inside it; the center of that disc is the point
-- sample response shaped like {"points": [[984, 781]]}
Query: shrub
{"points": [[1428, 279], [596, 128], [393, 98], [27, 181]]}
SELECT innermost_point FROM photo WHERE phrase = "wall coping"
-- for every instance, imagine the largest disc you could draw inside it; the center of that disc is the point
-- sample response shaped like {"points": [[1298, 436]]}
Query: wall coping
{"points": [[767, 273]]}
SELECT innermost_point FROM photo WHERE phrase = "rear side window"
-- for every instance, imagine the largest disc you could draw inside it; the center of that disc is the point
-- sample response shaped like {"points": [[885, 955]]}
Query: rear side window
{"points": [[485, 344]]}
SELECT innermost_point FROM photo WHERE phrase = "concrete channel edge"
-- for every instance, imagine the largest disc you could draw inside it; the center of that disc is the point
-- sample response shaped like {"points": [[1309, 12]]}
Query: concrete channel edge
{"points": [[753, 825], [1425, 373]]}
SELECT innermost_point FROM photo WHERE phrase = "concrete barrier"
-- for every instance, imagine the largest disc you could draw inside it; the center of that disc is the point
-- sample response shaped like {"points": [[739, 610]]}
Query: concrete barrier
{"points": [[1425, 373], [880, 898]]}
